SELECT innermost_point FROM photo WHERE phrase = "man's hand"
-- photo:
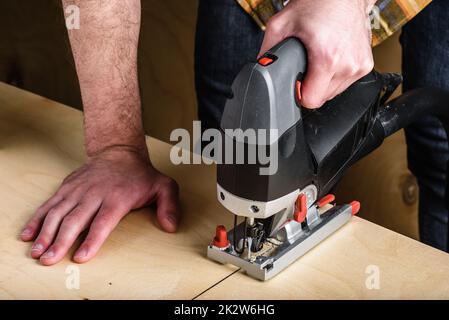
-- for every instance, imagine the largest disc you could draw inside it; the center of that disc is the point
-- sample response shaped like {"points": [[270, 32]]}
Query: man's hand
{"points": [[337, 36], [96, 197], [118, 176]]}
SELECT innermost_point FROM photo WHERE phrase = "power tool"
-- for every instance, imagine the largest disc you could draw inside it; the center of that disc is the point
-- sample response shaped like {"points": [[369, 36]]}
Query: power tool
{"points": [[289, 211]]}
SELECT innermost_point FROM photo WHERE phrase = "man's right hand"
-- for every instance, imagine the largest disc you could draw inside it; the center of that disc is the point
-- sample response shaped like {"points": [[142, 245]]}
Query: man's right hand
{"points": [[338, 41], [96, 197]]}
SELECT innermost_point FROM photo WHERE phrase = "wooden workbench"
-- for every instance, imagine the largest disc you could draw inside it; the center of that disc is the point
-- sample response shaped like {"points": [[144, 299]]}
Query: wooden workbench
{"points": [[41, 142]]}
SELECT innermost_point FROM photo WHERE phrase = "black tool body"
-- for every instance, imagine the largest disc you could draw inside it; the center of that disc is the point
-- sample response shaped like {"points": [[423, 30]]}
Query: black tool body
{"points": [[313, 146]]}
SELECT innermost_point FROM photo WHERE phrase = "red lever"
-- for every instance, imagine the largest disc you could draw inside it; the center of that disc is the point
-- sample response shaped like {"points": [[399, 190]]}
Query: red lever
{"points": [[301, 208], [326, 200], [355, 205], [221, 237], [298, 90]]}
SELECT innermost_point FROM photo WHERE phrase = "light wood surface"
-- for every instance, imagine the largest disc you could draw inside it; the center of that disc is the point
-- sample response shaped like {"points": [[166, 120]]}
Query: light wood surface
{"points": [[41, 142], [340, 267]]}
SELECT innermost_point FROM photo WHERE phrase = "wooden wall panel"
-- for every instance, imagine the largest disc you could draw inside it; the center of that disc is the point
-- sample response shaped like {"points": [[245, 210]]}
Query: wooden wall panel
{"points": [[166, 65]]}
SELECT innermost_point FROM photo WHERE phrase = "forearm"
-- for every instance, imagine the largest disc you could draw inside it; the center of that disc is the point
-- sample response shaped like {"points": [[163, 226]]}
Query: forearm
{"points": [[105, 53]]}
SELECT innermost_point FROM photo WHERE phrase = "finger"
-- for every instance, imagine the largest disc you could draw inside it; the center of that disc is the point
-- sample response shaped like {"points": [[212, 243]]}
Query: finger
{"points": [[316, 85], [168, 206], [106, 220], [339, 86], [33, 225], [277, 30], [50, 226], [71, 227], [348, 77]]}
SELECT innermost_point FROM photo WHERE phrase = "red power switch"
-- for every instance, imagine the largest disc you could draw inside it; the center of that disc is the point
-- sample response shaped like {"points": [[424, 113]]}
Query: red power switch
{"points": [[265, 61], [221, 238], [301, 208]]}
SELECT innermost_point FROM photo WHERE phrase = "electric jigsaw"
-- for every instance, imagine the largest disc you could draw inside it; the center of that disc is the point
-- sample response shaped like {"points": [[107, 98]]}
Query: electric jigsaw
{"points": [[288, 212]]}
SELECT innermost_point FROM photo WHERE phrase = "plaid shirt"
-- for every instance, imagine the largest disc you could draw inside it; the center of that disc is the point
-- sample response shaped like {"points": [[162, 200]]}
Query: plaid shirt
{"points": [[389, 16]]}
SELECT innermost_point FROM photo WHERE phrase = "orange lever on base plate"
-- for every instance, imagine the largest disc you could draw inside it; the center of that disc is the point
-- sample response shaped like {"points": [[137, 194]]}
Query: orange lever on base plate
{"points": [[221, 238], [301, 208], [326, 200]]}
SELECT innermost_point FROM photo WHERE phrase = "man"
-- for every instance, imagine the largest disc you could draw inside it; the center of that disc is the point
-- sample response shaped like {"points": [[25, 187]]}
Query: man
{"points": [[118, 175], [338, 42]]}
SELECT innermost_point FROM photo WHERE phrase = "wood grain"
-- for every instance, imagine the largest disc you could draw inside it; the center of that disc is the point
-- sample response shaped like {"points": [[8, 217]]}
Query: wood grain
{"points": [[40, 143]]}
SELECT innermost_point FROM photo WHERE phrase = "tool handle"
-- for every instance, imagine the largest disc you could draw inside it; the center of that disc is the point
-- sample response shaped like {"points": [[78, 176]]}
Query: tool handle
{"points": [[265, 92], [291, 68]]}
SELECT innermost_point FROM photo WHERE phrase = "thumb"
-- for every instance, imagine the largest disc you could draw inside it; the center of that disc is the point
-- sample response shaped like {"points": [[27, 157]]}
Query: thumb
{"points": [[276, 31], [168, 207]]}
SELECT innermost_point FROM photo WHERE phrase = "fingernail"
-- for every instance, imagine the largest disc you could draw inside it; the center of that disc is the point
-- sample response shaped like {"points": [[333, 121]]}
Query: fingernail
{"points": [[81, 254], [172, 220], [48, 254], [26, 232], [37, 247]]}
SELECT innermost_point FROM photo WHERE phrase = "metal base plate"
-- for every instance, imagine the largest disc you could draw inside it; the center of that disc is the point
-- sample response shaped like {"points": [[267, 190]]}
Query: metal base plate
{"points": [[277, 255]]}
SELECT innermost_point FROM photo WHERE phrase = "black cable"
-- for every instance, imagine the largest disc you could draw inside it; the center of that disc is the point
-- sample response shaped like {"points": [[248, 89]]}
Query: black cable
{"points": [[403, 111], [411, 106]]}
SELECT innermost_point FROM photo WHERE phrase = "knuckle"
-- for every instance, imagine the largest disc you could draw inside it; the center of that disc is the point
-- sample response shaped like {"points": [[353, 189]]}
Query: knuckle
{"points": [[170, 184], [352, 68], [331, 58], [71, 221], [367, 66], [53, 213], [117, 193], [76, 191], [90, 195], [276, 25], [64, 189], [324, 49], [85, 201], [102, 221]]}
